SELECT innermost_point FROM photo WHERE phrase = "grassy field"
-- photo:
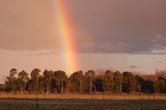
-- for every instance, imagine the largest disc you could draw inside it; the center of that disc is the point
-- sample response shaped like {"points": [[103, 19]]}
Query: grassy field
{"points": [[80, 102]]}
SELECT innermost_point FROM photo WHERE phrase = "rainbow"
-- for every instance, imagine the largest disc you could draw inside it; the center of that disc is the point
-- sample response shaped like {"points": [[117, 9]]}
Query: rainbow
{"points": [[65, 31]]}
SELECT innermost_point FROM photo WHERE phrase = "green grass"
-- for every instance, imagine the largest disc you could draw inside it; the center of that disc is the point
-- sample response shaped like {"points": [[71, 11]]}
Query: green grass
{"points": [[81, 104]]}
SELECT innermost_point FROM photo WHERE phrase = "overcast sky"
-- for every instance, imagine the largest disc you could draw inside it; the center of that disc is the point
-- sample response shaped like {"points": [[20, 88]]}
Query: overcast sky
{"points": [[102, 28]]}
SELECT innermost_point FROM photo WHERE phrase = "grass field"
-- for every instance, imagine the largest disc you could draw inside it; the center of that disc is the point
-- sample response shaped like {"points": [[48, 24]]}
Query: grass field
{"points": [[79, 102]]}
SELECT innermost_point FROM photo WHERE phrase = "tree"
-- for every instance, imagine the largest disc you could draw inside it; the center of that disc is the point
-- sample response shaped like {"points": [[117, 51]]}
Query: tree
{"points": [[117, 82], [77, 81], [48, 76], [22, 80], [29, 86], [148, 86], [160, 85], [98, 82], [61, 78], [35, 78], [139, 83], [90, 76], [41, 84], [108, 81], [13, 72], [129, 82], [11, 83]]}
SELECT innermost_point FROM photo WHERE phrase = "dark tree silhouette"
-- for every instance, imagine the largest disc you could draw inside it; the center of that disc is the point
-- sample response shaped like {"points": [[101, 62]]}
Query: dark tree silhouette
{"points": [[79, 82]]}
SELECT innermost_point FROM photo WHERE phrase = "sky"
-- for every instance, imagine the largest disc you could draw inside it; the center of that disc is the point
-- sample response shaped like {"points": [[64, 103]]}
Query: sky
{"points": [[124, 35]]}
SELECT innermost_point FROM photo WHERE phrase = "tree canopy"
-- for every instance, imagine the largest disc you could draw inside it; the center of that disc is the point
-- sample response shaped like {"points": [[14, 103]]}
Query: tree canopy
{"points": [[83, 83]]}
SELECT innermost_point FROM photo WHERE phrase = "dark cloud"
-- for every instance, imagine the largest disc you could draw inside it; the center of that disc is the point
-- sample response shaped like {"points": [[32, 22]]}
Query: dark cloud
{"points": [[109, 26], [129, 26], [133, 67]]}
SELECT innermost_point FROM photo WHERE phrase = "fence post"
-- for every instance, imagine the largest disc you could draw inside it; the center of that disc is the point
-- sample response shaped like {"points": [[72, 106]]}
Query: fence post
{"points": [[36, 101]]}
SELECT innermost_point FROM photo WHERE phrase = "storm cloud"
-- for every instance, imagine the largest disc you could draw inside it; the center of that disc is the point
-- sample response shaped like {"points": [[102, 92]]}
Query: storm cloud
{"points": [[109, 26]]}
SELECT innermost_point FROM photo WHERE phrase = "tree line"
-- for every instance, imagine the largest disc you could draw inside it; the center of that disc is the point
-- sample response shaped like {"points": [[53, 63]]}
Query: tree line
{"points": [[109, 82]]}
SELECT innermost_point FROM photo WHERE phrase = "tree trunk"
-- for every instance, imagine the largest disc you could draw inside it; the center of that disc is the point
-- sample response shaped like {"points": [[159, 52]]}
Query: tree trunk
{"points": [[61, 87], [47, 89], [80, 86], [21, 91], [90, 86], [36, 101]]}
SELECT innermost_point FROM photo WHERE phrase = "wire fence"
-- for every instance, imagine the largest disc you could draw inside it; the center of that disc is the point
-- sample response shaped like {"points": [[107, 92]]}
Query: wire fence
{"points": [[91, 101]]}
